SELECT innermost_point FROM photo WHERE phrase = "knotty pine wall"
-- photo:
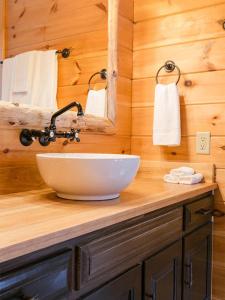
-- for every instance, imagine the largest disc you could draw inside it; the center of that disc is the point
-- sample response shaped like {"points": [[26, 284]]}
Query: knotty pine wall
{"points": [[82, 26], [191, 34]]}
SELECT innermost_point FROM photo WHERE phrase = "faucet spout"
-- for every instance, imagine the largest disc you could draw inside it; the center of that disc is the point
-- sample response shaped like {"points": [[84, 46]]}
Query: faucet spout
{"points": [[49, 134], [63, 110]]}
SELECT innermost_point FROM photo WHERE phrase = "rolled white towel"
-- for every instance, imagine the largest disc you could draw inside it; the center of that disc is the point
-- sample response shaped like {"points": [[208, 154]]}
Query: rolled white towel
{"points": [[191, 179], [171, 178], [182, 171]]}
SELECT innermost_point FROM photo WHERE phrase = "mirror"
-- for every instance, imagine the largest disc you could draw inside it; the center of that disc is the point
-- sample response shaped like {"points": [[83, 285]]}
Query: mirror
{"points": [[88, 29]]}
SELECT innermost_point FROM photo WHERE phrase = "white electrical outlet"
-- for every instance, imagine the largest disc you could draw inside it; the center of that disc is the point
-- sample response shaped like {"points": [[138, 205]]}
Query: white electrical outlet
{"points": [[203, 142]]}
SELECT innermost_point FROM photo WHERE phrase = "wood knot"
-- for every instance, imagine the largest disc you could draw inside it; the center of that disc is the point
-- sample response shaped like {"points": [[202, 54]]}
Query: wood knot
{"points": [[11, 123], [14, 36], [173, 153], [78, 66], [22, 13], [114, 74], [102, 7], [75, 81], [23, 123], [6, 150], [222, 147], [65, 143], [222, 22], [211, 67], [123, 151], [188, 83], [54, 8]]}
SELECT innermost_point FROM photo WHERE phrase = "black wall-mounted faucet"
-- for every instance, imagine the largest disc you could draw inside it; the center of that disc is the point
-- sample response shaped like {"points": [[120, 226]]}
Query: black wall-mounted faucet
{"points": [[49, 134]]}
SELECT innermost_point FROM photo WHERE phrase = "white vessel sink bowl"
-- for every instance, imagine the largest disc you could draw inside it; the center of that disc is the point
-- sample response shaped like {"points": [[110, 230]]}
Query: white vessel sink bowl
{"points": [[83, 176]]}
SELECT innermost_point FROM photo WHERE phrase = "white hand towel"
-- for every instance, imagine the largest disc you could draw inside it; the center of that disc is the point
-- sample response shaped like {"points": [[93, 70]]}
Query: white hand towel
{"points": [[166, 124], [23, 71], [182, 171], [171, 178], [191, 179], [7, 75], [45, 77], [97, 103]]}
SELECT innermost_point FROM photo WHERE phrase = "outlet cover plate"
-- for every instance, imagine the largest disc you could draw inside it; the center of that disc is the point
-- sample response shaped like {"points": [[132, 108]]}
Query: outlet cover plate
{"points": [[203, 142]]}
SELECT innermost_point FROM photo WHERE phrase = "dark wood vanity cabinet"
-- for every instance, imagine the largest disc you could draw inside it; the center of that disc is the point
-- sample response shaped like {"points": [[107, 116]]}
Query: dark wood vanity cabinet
{"points": [[164, 255]]}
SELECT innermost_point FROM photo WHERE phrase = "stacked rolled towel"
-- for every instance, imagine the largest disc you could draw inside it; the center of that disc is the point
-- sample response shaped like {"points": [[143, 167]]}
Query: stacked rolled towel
{"points": [[171, 178], [183, 175]]}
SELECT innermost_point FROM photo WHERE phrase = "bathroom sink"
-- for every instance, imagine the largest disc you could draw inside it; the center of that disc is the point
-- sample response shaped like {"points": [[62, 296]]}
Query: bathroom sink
{"points": [[86, 176]]}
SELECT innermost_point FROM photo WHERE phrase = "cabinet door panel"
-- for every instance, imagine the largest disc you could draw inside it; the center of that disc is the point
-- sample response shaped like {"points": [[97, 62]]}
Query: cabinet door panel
{"points": [[197, 264], [45, 280], [163, 274], [125, 287]]}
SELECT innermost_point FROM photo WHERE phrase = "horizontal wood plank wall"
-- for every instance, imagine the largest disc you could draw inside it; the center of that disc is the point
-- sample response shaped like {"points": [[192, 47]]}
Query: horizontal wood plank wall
{"points": [[191, 34], [81, 26]]}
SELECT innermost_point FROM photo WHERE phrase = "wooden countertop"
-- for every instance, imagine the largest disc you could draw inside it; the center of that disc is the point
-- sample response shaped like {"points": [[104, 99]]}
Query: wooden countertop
{"points": [[37, 219]]}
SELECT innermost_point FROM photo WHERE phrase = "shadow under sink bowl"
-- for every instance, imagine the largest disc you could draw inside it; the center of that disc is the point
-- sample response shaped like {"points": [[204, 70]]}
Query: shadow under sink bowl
{"points": [[87, 176]]}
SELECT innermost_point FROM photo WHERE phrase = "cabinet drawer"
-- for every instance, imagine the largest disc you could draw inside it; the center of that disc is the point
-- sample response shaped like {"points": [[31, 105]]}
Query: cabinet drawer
{"points": [[47, 279], [124, 248], [198, 213]]}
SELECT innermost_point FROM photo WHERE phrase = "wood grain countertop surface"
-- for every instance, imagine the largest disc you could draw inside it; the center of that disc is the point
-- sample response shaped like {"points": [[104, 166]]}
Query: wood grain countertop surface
{"points": [[34, 220]]}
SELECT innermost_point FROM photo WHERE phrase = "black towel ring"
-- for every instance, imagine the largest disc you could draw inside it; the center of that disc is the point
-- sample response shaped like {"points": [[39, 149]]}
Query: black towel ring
{"points": [[169, 66], [103, 75]]}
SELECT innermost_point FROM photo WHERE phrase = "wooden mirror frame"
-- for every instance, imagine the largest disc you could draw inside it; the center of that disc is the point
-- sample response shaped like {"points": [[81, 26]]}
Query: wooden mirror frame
{"points": [[18, 116]]}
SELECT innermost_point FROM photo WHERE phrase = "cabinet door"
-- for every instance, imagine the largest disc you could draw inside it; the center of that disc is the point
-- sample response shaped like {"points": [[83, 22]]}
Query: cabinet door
{"points": [[197, 264], [163, 274], [124, 287]]}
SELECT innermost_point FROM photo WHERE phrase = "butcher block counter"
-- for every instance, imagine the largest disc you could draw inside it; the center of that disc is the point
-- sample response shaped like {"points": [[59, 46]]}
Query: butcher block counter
{"points": [[56, 249], [37, 219]]}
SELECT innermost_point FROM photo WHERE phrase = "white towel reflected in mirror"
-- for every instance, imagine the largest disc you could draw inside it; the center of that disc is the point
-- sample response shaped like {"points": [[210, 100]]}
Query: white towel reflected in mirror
{"points": [[97, 103], [31, 78]]}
